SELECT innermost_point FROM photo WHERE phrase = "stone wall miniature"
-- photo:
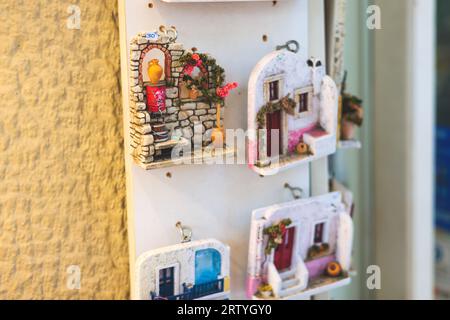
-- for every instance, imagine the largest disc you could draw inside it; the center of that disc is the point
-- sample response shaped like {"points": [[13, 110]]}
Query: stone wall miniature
{"points": [[181, 117]]}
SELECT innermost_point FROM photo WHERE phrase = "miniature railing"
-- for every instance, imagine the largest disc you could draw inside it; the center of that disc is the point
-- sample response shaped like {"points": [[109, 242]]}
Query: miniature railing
{"points": [[195, 292]]}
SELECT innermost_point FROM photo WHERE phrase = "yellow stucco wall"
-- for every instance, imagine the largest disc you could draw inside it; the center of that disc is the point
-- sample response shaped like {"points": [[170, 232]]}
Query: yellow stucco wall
{"points": [[62, 180]]}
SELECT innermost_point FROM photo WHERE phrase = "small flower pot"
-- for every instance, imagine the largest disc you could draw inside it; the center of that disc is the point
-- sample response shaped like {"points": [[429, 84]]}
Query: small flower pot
{"points": [[347, 130]]}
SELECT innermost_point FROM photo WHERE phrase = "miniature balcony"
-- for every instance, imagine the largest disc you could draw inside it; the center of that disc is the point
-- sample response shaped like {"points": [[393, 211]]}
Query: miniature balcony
{"points": [[320, 141], [196, 292], [320, 144]]}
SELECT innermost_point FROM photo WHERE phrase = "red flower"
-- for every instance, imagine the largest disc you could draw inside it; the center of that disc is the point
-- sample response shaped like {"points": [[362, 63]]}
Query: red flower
{"points": [[224, 91], [196, 57]]}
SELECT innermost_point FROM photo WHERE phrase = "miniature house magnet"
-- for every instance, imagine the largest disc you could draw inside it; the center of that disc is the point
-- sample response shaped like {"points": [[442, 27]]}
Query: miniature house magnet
{"points": [[292, 112], [176, 100], [198, 270], [299, 249]]}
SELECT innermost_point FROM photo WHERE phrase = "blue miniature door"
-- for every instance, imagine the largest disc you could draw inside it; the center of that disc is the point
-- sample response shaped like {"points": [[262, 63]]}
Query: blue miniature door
{"points": [[207, 266]]}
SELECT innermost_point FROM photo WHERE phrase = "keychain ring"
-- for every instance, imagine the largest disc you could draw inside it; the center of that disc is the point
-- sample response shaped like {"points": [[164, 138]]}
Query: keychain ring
{"points": [[185, 232], [291, 45]]}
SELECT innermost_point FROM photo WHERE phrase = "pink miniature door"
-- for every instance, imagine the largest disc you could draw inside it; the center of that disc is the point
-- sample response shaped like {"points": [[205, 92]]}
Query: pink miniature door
{"points": [[283, 253]]}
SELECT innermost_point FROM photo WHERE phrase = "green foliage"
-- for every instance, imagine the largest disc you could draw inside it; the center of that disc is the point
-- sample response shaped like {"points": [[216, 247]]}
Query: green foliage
{"points": [[275, 234], [287, 104], [352, 109], [216, 74]]}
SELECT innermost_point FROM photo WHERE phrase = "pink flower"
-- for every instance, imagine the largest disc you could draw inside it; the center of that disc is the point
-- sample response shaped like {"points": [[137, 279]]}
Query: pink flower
{"points": [[188, 69]]}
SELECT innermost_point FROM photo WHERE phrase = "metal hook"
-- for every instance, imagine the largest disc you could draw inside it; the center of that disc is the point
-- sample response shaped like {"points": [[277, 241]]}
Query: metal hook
{"points": [[291, 45], [297, 193], [186, 232]]}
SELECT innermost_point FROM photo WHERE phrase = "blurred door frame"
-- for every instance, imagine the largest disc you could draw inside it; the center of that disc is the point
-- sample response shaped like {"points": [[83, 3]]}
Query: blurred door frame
{"points": [[403, 148]]}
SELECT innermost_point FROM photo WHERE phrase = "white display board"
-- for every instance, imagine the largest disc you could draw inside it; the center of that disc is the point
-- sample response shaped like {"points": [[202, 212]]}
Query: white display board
{"points": [[216, 201]]}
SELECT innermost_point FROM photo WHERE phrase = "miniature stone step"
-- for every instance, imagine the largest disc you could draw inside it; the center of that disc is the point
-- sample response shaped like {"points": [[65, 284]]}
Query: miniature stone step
{"points": [[286, 275], [290, 283], [290, 291]]}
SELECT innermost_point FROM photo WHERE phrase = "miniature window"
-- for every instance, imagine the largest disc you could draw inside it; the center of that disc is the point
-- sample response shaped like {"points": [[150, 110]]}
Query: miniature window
{"points": [[274, 90], [273, 87], [166, 282], [190, 90], [319, 231], [303, 98]]}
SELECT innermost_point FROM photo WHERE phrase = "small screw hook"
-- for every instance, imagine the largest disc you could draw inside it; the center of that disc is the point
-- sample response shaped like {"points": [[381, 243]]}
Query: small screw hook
{"points": [[185, 232], [291, 45], [297, 193]]}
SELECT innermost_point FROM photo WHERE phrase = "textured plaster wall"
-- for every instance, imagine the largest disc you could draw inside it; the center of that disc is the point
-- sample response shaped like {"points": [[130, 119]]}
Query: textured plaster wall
{"points": [[62, 184]]}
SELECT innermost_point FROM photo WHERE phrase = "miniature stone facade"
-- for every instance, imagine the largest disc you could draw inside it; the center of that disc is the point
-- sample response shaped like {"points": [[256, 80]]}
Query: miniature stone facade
{"points": [[182, 116]]}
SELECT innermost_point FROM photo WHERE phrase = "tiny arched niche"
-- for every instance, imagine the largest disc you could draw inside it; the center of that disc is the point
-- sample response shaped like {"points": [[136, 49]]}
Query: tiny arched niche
{"points": [[159, 53]]}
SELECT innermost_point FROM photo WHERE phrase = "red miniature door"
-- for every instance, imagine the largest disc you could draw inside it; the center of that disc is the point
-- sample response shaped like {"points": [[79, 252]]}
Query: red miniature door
{"points": [[273, 122], [283, 253]]}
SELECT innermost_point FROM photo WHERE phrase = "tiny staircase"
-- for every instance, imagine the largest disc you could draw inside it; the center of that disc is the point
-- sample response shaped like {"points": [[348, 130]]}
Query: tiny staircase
{"points": [[290, 285]]}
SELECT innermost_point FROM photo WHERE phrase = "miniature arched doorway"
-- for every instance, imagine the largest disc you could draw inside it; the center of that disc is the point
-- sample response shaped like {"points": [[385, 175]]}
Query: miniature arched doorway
{"points": [[159, 53], [208, 264], [185, 88], [285, 250]]}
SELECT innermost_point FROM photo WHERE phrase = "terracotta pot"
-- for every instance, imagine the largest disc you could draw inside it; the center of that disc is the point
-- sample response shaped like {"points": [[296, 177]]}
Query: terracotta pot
{"points": [[302, 148], [347, 130], [334, 269], [155, 71], [193, 94]]}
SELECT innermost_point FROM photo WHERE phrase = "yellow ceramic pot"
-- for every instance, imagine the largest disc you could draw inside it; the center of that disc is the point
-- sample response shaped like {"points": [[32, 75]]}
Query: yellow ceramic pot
{"points": [[155, 71]]}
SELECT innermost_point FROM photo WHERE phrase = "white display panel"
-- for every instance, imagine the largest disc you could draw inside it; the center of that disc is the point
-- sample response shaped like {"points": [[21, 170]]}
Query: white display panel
{"points": [[216, 201]]}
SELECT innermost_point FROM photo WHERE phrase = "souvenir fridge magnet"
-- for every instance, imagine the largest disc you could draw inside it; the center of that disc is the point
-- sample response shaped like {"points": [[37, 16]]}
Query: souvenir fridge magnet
{"points": [[177, 99], [299, 249], [192, 270], [292, 112]]}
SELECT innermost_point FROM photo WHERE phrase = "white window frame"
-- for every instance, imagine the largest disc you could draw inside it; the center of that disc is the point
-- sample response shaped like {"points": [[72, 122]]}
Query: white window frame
{"points": [[298, 92], [176, 278], [267, 81]]}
